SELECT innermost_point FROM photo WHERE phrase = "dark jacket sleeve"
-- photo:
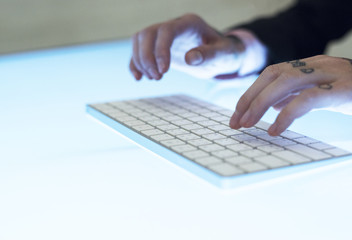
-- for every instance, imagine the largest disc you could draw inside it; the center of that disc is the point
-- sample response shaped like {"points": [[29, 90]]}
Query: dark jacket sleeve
{"points": [[304, 29]]}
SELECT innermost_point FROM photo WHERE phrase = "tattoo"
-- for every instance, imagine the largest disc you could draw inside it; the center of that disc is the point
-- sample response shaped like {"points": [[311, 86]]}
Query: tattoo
{"points": [[326, 86], [307, 70], [297, 63]]}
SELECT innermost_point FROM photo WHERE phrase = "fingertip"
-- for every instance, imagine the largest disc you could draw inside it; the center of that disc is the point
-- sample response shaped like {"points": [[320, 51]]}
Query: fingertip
{"points": [[234, 124], [194, 58], [272, 131], [246, 121], [154, 74], [136, 75], [162, 66]]}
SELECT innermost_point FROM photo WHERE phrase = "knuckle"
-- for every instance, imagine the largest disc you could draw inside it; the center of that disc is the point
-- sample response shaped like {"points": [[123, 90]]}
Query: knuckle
{"points": [[272, 71], [161, 53], [191, 16], [142, 34], [164, 28]]}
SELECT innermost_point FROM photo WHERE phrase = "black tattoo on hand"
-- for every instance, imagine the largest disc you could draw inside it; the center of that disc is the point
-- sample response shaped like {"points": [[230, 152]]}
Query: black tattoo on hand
{"points": [[326, 86], [307, 70], [297, 63]]}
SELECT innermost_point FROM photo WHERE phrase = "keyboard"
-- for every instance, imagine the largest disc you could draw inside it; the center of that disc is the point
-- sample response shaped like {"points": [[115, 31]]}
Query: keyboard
{"points": [[196, 136]]}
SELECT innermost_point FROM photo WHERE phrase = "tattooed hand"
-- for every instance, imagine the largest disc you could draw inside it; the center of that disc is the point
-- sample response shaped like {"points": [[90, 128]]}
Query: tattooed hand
{"points": [[295, 88], [187, 43]]}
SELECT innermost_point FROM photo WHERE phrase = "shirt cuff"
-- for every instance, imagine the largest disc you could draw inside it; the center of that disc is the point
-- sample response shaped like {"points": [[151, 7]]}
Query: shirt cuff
{"points": [[255, 55]]}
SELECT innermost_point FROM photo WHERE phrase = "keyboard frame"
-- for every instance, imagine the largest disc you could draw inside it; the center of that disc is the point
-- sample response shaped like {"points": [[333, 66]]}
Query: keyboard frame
{"points": [[223, 182]]}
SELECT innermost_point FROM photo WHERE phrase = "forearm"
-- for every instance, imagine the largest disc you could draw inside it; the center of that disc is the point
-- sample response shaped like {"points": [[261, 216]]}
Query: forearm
{"points": [[303, 30]]}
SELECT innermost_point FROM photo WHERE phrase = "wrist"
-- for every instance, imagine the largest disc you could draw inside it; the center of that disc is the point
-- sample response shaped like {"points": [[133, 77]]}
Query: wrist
{"points": [[252, 53]]}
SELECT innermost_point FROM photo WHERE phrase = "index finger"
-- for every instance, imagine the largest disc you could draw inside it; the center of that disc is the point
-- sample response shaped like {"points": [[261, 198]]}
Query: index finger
{"points": [[268, 75]]}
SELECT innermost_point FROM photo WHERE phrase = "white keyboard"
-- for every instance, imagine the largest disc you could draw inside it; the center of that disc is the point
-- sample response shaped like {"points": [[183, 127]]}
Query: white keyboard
{"points": [[196, 136]]}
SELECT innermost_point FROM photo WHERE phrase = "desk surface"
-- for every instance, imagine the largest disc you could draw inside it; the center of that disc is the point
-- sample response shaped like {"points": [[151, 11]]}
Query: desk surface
{"points": [[63, 176]]}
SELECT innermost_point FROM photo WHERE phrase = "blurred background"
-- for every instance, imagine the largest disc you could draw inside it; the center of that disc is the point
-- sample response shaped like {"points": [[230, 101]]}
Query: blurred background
{"points": [[27, 25]]}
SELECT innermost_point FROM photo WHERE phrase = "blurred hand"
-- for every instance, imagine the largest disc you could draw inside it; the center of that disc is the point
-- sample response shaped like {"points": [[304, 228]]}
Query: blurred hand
{"points": [[188, 44], [295, 88]]}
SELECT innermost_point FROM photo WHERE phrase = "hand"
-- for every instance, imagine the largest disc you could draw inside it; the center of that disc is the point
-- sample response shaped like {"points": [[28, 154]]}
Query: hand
{"points": [[295, 88], [189, 44]]}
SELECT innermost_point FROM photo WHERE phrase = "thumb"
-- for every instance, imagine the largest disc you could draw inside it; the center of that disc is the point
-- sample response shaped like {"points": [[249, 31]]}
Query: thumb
{"points": [[199, 55]]}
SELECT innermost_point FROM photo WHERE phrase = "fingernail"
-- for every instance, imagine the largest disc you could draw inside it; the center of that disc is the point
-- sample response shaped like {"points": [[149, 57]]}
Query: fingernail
{"points": [[272, 130], [154, 73], [195, 58], [161, 66], [234, 121]]}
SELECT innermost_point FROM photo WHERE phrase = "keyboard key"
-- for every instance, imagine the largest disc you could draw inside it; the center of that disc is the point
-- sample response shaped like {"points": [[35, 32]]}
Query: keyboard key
{"points": [[213, 136], [195, 154], [125, 119], [172, 118], [291, 135], [207, 123], [291, 157], [239, 147], [255, 132], [230, 132], [270, 148], [253, 153], [308, 152], [253, 167], [157, 122], [187, 137], [226, 112], [192, 126], [167, 127], [177, 131], [320, 146], [267, 137], [133, 123], [262, 125], [242, 137], [184, 148], [181, 122], [198, 119], [226, 169], [150, 118], [152, 132], [219, 127], [211, 147], [306, 140], [224, 153], [271, 161], [143, 127], [206, 161], [256, 143], [202, 131], [199, 142], [337, 152], [161, 137], [283, 142], [210, 114], [237, 160], [172, 142], [226, 141], [221, 118]]}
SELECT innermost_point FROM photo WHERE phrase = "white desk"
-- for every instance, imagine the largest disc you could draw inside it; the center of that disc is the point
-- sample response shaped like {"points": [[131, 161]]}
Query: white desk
{"points": [[63, 176]]}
